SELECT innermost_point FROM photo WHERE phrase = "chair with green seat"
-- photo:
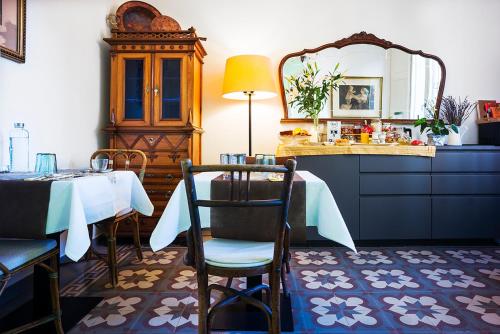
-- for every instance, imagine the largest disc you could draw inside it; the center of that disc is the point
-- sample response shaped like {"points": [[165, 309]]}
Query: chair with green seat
{"points": [[20, 254], [238, 258]]}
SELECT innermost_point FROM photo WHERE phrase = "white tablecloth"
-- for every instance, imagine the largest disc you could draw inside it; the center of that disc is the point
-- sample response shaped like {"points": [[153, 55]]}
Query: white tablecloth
{"points": [[321, 211], [74, 203]]}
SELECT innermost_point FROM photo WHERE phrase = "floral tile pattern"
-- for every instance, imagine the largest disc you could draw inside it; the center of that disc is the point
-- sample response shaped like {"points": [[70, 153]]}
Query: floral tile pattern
{"points": [[382, 279], [422, 310], [416, 289]]}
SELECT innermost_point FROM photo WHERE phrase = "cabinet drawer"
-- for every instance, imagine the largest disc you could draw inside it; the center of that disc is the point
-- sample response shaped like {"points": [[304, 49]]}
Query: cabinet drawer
{"points": [[169, 178], [153, 141], [387, 163], [466, 184], [465, 217], [466, 161], [390, 217], [167, 159], [394, 184], [156, 194], [146, 227]]}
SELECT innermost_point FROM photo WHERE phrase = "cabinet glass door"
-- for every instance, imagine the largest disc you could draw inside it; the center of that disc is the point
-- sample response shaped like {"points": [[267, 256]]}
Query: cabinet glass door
{"points": [[169, 90], [134, 83], [133, 103]]}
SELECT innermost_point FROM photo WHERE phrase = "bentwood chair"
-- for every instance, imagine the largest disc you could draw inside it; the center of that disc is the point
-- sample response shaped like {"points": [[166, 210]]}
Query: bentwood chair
{"points": [[124, 160], [20, 254], [237, 258], [287, 258]]}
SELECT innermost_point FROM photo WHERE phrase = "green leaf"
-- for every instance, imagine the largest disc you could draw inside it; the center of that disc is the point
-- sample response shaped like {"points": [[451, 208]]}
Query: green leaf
{"points": [[454, 128]]}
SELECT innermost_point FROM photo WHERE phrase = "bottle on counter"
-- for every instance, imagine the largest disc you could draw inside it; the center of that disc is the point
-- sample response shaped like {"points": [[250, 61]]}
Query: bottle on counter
{"points": [[19, 139]]}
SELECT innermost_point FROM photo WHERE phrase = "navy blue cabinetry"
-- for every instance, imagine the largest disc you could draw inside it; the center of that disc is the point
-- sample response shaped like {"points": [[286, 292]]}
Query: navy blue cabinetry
{"points": [[455, 195]]}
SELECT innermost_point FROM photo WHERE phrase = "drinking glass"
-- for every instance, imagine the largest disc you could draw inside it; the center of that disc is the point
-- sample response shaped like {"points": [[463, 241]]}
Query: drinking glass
{"points": [[224, 159], [269, 159], [259, 159], [241, 158], [46, 163]]}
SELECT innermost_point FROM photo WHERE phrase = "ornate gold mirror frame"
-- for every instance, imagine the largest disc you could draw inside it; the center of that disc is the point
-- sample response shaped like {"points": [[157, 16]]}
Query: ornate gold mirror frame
{"points": [[359, 38]]}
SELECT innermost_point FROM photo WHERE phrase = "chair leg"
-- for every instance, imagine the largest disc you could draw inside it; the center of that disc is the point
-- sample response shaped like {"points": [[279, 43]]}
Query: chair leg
{"points": [[275, 303], [54, 293], [203, 303], [113, 274], [286, 249], [284, 283], [137, 236]]}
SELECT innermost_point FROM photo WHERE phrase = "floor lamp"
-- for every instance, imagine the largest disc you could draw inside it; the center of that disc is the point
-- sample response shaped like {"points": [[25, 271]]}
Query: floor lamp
{"points": [[248, 77]]}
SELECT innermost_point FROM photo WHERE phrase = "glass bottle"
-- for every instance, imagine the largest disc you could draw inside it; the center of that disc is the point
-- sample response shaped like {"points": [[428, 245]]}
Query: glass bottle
{"points": [[19, 139]]}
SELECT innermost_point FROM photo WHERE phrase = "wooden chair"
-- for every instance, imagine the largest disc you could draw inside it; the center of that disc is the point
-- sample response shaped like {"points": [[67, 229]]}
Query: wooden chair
{"points": [[20, 254], [110, 226], [248, 258], [287, 258]]}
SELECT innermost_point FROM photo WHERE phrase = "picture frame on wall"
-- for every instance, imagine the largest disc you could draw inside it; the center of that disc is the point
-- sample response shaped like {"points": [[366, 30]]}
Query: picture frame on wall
{"points": [[358, 97], [13, 30]]}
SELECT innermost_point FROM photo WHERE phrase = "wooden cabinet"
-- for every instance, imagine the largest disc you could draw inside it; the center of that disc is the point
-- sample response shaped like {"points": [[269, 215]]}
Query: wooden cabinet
{"points": [[155, 97]]}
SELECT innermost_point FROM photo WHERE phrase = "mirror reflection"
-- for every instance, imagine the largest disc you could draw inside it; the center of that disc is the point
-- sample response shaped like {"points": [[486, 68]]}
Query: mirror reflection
{"points": [[379, 83]]}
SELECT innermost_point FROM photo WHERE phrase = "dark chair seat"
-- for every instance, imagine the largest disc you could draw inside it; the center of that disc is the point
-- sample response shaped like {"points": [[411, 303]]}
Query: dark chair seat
{"points": [[15, 253]]}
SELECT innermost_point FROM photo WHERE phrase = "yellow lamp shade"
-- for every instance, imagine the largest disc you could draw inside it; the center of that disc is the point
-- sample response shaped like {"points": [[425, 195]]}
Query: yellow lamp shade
{"points": [[248, 73]]}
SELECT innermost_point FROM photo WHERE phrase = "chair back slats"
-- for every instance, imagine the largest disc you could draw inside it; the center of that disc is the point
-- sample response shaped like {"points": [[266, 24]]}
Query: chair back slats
{"points": [[238, 204], [239, 196], [243, 168], [128, 155]]}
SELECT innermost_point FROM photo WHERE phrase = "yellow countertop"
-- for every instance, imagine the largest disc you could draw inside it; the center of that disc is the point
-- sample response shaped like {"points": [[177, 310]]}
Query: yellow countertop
{"points": [[318, 149]]}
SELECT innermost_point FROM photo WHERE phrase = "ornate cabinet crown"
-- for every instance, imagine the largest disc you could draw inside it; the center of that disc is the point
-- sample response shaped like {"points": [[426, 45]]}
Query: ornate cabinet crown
{"points": [[155, 95]]}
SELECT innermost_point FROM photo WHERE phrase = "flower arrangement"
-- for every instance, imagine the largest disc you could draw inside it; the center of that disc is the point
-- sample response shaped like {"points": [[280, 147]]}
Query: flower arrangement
{"points": [[308, 91], [435, 128]]}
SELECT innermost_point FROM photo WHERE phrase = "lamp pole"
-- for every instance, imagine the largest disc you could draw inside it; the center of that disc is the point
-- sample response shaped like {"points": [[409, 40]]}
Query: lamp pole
{"points": [[249, 93]]}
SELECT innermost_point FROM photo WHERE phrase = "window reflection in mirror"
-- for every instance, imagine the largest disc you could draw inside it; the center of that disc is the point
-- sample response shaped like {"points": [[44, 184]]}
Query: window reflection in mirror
{"points": [[386, 83]]}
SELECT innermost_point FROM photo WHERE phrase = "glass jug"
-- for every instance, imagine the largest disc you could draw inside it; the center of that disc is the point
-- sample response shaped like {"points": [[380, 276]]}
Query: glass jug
{"points": [[19, 139]]}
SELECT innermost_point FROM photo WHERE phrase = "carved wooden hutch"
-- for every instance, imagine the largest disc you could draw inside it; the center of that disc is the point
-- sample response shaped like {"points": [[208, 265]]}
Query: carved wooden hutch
{"points": [[155, 97]]}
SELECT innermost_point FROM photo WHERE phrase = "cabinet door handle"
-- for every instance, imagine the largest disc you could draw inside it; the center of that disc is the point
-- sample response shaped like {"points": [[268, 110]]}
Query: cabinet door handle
{"points": [[147, 90], [169, 177], [168, 194], [156, 90], [151, 140]]}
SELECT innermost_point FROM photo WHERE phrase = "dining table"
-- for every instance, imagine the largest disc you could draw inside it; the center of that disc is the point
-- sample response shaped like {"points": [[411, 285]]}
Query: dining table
{"points": [[75, 200], [321, 211], [320, 206]]}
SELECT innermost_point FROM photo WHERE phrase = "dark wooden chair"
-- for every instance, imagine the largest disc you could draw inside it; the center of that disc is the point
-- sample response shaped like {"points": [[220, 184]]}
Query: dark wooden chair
{"points": [[237, 258], [20, 254], [287, 258], [120, 160]]}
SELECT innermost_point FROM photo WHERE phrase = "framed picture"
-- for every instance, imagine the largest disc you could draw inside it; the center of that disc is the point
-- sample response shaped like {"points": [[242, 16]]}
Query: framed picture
{"points": [[13, 29], [358, 97]]}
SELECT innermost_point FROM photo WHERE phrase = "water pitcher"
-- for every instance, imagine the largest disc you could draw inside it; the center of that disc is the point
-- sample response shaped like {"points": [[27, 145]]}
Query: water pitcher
{"points": [[19, 139]]}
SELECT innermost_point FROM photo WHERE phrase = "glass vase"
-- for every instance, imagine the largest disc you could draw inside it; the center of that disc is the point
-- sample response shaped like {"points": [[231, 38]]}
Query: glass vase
{"points": [[316, 135]]}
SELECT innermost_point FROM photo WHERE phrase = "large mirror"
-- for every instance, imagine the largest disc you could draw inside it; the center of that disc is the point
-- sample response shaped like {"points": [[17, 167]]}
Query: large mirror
{"points": [[382, 79]]}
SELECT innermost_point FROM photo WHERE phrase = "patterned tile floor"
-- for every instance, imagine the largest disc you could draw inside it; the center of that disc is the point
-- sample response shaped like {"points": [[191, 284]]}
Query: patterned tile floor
{"points": [[379, 290]]}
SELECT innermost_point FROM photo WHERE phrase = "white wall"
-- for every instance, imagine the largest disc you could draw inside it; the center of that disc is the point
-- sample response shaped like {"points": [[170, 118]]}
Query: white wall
{"points": [[61, 91]]}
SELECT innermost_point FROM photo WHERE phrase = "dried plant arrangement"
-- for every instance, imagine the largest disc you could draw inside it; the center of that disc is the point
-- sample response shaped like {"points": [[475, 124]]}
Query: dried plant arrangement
{"points": [[456, 112]]}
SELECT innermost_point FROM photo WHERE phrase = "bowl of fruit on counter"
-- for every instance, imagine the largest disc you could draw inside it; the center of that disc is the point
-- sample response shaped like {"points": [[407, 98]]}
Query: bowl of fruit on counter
{"points": [[297, 136]]}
